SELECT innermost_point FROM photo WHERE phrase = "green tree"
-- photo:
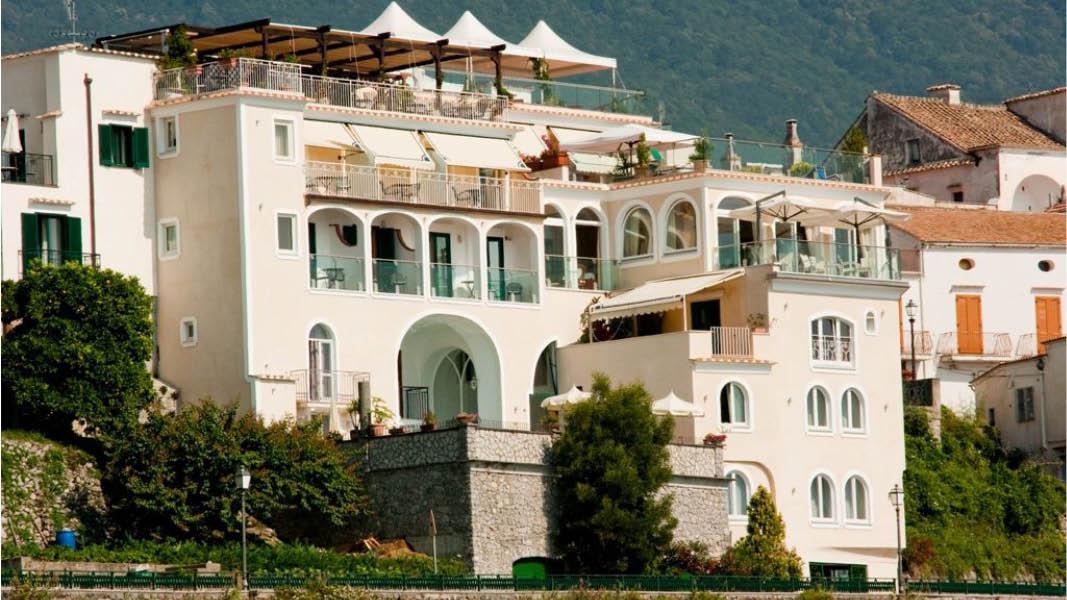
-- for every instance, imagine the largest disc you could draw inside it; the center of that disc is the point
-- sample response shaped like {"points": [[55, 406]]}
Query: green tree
{"points": [[762, 552], [173, 478], [76, 341], [611, 463], [180, 51]]}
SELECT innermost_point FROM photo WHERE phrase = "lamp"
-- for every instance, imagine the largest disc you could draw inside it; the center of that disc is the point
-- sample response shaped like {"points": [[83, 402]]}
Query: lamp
{"points": [[896, 497], [244, 481], [911, 309]]}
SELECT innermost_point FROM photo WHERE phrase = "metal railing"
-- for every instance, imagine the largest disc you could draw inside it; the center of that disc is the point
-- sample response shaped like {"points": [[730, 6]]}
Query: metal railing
{"points": [[919, 392], [455, 281], [336, 272], [512, 285], [731, 341], [424, 187], [581, 273], [975, 344], [56, 257], [557, 93], [414, 402], [815, 258], [226, 75], [827, 348], [28, 168], [398, 276], [317, 386], [807, 162], [924, 344], [1027, 346]]}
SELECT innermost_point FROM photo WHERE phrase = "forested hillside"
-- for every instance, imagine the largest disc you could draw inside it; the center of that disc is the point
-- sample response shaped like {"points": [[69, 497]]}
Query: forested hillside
{"points": [[714, 65]]}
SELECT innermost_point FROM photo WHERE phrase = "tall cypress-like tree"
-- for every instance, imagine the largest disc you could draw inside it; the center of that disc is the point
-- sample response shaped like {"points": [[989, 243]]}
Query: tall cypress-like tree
{"points": [[611, 463], [762, 552]]}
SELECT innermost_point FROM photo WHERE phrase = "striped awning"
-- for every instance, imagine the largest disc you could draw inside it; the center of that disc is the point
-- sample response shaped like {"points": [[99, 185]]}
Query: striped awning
{"points": [[657, 296]]}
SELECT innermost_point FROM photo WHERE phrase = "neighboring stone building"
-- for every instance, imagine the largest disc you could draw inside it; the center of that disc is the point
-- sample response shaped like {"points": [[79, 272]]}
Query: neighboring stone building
{"points": [[1026, 401], [492, 499], [1009, 156]]}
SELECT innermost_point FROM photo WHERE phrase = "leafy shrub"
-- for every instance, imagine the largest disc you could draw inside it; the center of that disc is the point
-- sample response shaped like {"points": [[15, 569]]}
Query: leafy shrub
{"points": [[690, 557], [815, 594], [76, 340], [611, 461], [762, 552], [174, 478]]}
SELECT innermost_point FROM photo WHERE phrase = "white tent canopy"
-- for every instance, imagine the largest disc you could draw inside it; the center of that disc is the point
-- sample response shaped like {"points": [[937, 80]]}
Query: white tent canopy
{"points": [[11, 141], [400, 25], [484, 153], [675, 406], [470, 32], [611, 140], [563, 58], [657, 296], [395, 147], [571, 396]]}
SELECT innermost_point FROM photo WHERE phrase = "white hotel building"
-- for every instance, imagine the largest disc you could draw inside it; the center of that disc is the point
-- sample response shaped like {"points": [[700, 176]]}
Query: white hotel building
{"points": [[314, 235]]}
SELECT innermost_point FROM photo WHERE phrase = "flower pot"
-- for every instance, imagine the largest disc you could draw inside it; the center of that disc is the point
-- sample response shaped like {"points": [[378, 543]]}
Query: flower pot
{"points": [[428, 427], [397, 431], [378, 430], [700, 166], [714, 439], [354, 434], [641, 171], [467, 418], [551, 161]]}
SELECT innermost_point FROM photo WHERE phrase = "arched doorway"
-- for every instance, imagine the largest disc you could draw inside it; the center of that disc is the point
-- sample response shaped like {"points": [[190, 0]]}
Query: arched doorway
{"points": [[396, 254], [321, 400], [593, 272], [448, 365], [556, 260], [734, 235], [336, 244], [1036, 193], [545, 384]]}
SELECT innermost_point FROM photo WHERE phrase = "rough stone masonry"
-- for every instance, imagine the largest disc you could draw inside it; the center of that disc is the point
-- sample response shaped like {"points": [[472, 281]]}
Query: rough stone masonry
{"points": [[492, 499]]}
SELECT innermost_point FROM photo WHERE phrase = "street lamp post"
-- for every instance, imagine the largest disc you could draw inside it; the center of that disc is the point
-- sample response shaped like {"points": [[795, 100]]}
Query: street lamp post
{"points": [[911, 308], [244, 479], [896, 496]]}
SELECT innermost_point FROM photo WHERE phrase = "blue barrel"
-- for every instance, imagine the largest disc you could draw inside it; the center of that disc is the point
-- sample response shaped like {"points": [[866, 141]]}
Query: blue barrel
{"points": [[66, 539]]}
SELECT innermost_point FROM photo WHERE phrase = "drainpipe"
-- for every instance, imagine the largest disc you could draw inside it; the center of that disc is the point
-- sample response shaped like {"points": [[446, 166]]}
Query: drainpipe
{"points": [[92, 186]]}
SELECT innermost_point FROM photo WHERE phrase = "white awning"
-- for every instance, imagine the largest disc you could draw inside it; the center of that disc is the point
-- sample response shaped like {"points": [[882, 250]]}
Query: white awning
{"points": [[611, 140], [528, 142], [394, 147], [675, 406], [400, 25], [571, 396], [657, 296], [563, 58], [485, 153], [597, 164], [327, 134]]}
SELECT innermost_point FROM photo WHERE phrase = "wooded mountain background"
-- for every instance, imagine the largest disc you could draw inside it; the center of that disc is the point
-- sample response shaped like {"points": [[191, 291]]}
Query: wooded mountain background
{"points": [[714, 66]]}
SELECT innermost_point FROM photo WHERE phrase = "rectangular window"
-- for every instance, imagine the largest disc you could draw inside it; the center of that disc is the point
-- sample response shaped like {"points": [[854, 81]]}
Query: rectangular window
{"points": [[286, 227], [957, 195], [169, 242], [283, 140], [911, 152], [123, 146], [188, 332], [1024, 404], [168, 135]]}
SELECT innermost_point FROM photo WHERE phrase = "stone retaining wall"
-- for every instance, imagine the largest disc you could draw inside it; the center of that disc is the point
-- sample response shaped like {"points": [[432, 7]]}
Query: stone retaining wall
{"points": [[492, 498]]}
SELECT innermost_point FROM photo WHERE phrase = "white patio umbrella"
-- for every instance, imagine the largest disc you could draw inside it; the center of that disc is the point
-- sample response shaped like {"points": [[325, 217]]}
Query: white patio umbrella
{"points": [[11, 142], [780, 206], [856, 213], [671, 404], [571, 396], [611, 140]]}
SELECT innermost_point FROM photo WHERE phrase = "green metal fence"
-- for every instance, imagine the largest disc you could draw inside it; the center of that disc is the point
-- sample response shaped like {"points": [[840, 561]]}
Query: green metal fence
{"points": [[143, 580]]}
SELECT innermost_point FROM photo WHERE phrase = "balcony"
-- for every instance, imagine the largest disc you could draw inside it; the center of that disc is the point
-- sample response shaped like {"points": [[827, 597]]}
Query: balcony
{"points": [[55, 257], [1027, 346], [581, 273], [975, 346], [402, 277], [320, 388], [806, 162], [28, 168], [557, 93], [814, 258], [425, 188], [455, 281], [924, 344], [731, 341], [336, 273], [333, 91]]}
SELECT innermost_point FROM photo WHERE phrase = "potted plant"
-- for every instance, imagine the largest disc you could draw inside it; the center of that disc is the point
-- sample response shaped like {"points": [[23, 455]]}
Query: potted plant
{"points": [[701, 150], [644, 158], [467, 418], [228, 58], [380, 416], [397, 430], [353, 417], [429, 421], [550, 421], [550, 159], [757, 322], [714, 439]]}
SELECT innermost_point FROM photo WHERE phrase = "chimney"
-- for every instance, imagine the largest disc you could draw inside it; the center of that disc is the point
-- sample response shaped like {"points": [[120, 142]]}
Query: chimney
{"points": [[949, 92], [792, 141]]}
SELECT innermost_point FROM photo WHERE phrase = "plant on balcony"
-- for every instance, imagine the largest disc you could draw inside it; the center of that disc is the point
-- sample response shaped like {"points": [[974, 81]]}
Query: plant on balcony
{"points": [[702, 149], [467, 418], [353, 415], [643, 154], [180, 52], [757, 321], [539, 67], [380, 417], [550, 421], [714, 439], [429, 421], [228, 57], [801, 169]]}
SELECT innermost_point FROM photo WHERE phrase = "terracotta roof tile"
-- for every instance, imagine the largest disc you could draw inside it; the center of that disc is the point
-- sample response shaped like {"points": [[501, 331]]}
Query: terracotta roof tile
{"points": [[931, 166], [1058, 90], [983, 227], [969, 126]]}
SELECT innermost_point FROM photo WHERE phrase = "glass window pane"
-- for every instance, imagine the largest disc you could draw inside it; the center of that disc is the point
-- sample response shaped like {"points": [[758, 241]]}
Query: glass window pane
{"points": [[637, 234], [827, 508], [286, 237], [281, 140], [861, 500], [740, 411], [682, 227]]}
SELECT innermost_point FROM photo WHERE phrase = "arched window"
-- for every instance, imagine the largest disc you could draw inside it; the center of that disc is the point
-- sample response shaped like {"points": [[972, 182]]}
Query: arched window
{"points": [[831, 340], [588, 214], [856, 509], [733, 405], [822, 498], [871, 322], [320, 383], [737, 494], [853, 415], [637, 233], [818, 409], [682, 227]]}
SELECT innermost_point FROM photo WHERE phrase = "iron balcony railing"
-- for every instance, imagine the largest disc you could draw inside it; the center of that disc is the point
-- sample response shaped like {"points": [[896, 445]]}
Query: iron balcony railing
{"points": [[815, 258], [334, 91], [28, 168], [327, 387], [919, 392], [924, 343], [975, 344], [807, 162], [731, 341], [581, 273], [831, 349], [55, 257], [336, 272], [1027, 346], [422, 187], [556, 93]]}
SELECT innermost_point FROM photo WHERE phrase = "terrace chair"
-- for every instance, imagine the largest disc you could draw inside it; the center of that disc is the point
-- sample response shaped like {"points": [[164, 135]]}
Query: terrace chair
{"points": [[514, 291], [364, 97], [467, 197]]}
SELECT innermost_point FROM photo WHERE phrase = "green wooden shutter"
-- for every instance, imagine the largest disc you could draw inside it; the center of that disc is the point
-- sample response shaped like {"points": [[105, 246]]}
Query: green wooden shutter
{"points": [[140, 147], [72, 239], [31, 239], [107, 145]]}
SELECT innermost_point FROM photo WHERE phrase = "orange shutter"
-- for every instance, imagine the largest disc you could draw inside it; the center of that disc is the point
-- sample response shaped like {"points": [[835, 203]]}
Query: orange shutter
{"points": [[1049, 326], [969, 324]]}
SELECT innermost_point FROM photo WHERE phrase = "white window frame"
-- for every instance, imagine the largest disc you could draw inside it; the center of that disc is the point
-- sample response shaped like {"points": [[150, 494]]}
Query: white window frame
{"points": [[868, 315], [834, 364], [819, 520], [295, 220], [739, 475], [1024, 404], [809, 425], [162, 149], [650, 255], [673, 202], [161, 238], [846, 412], [850, 479], [188, 341], [290, 124], [749, 420]]}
